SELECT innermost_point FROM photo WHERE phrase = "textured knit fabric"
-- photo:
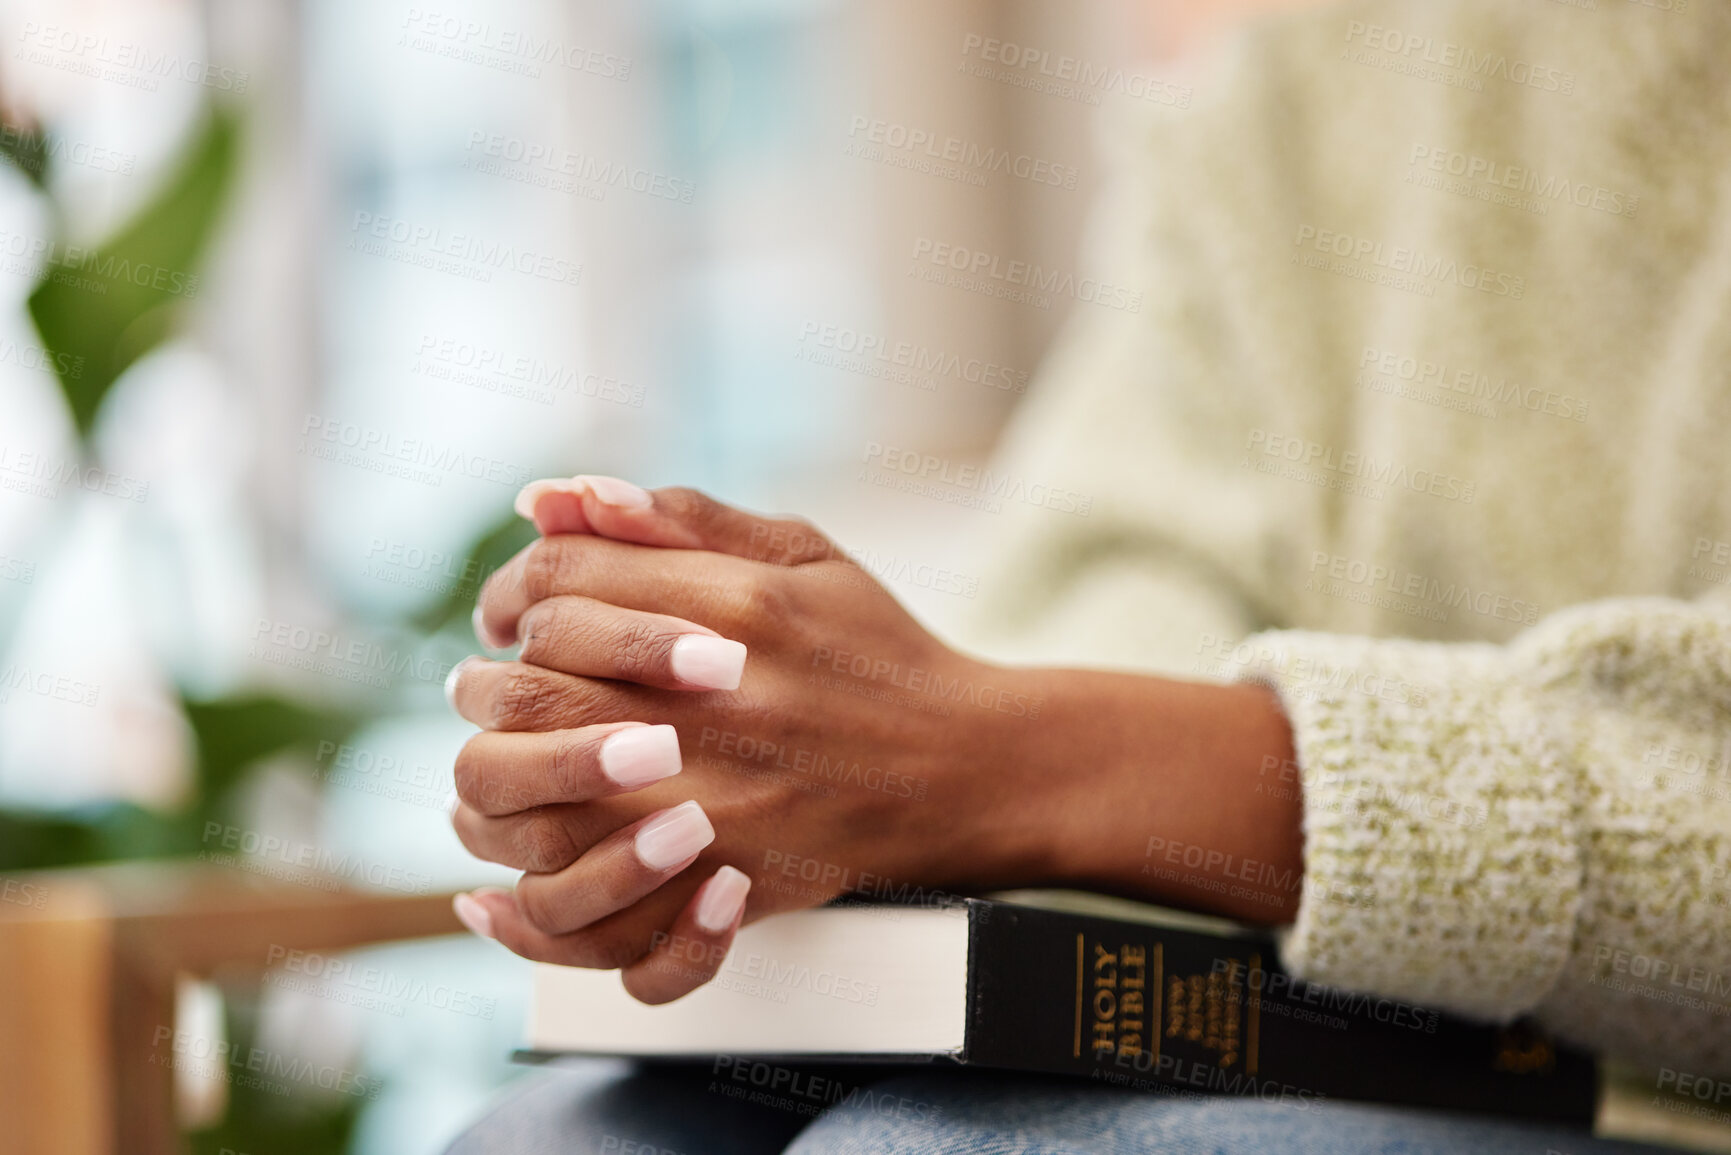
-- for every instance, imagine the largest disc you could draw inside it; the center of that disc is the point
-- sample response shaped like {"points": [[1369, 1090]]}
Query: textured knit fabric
{"points": [[1423, 420]]}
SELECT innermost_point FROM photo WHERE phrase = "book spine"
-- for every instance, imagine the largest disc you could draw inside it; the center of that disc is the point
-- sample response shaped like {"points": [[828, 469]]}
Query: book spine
{"points": [[1154, 1008]]}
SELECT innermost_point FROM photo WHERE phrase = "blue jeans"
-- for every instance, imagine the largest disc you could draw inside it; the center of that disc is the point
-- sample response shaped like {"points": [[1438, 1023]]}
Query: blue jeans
{"points": [[608, 1107]]}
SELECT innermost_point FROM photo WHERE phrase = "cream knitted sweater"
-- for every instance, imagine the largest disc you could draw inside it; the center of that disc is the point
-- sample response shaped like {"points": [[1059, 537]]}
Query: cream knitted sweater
{"points": [[1431, 385]]}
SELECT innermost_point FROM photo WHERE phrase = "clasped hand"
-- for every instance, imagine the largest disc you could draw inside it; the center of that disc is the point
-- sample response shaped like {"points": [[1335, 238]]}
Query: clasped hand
{"points": [[702, 697]]}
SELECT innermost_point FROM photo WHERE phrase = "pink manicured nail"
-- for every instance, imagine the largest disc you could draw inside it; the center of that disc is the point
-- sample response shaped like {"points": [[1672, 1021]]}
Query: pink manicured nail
{"points": [[640, 755], [674, 836], [473, 915], [613, 491], [723, 899], [713, 663], [536, 490]]}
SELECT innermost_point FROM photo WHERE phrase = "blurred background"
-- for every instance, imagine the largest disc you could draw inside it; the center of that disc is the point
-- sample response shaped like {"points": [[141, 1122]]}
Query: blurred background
{"points": [[294, 296]]}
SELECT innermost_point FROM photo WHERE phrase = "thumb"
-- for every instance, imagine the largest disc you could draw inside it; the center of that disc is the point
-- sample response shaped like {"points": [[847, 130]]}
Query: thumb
{"points": [[674, 517]]}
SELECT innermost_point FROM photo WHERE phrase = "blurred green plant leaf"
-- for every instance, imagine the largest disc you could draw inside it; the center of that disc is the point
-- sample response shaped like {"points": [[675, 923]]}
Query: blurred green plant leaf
{"points": [[37, 841], [234, 733], [488, 552], [113, 303], [32, 840]]}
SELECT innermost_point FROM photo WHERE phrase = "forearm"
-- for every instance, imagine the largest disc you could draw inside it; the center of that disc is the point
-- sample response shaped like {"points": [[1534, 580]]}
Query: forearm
{"points": [[1175, 792]]}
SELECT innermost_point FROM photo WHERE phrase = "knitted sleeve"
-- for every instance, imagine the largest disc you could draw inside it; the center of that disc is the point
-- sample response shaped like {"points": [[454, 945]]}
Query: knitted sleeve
{"points": [[1542, 827]]}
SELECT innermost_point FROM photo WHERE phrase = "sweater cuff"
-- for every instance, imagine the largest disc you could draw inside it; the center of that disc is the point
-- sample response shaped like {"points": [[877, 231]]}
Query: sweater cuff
{"points": [[1442, 831]]}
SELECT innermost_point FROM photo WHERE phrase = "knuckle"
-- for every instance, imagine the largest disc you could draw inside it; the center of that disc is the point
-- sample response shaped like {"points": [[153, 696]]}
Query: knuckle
{"points": [[538, 909], [545, 629], [642, 650], [544, 845], [544, 567], [568, 766], [685, 503], [807, 543], [757, 599], [479, 787], [523, 700], [495, 796]]}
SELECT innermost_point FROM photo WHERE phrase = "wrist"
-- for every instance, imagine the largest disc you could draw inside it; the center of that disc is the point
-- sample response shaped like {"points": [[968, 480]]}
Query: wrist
{"points": [[991, 826], [1175, 792]]}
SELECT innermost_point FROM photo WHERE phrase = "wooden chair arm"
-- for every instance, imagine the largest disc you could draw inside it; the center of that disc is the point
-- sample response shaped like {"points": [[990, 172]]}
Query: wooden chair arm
{"points": [[88, 964]]}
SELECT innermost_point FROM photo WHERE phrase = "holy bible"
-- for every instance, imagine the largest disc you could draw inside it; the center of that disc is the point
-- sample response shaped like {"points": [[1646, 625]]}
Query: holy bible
{"points": [[1122, 993]]}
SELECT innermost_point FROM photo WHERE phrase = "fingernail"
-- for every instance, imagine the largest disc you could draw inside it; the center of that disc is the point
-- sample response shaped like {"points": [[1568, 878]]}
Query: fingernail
{"points": [[455, 676], [674, 837], [484, 635], [640, 755], [613, 491], [536, 490], [473, 915], [723, 899], [714, 663]]}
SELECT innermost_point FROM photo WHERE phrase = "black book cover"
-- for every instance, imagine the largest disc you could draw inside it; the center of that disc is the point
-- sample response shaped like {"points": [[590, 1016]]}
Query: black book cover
{"points": [[1157, 1008]]}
